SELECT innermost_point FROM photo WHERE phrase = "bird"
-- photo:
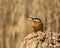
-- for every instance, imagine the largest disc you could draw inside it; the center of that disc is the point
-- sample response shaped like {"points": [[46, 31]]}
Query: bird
{"points": [[36, 24]]}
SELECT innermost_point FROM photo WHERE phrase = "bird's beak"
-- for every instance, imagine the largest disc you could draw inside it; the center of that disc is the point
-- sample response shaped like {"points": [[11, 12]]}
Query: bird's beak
{"points": [[30, 19]]}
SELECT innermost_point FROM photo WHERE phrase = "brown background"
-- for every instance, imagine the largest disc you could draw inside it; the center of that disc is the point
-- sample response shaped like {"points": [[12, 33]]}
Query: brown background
{"points": [[14, 25]]}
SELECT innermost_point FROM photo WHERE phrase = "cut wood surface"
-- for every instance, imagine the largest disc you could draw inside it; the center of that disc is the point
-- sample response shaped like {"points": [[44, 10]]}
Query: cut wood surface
{"points": [[41, 40]]}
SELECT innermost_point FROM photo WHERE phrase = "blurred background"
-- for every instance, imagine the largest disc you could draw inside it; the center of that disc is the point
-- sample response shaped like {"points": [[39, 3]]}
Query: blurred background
{"points": [[14, 25]]}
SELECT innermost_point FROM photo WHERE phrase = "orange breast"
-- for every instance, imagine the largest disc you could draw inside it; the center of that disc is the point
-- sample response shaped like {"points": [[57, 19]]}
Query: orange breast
{"points": [[37, 27]]}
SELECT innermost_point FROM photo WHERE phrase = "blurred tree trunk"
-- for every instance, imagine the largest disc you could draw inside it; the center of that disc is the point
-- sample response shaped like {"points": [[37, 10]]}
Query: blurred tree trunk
{"points": [[13, 19]]}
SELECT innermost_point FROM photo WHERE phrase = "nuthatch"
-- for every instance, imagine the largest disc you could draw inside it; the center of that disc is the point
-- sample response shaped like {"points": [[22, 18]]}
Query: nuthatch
{"points": [[36, 24]]}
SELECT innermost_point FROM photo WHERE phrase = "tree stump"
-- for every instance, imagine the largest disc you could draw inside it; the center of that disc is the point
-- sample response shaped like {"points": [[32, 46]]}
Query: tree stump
{"points": [[41, 40]]}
